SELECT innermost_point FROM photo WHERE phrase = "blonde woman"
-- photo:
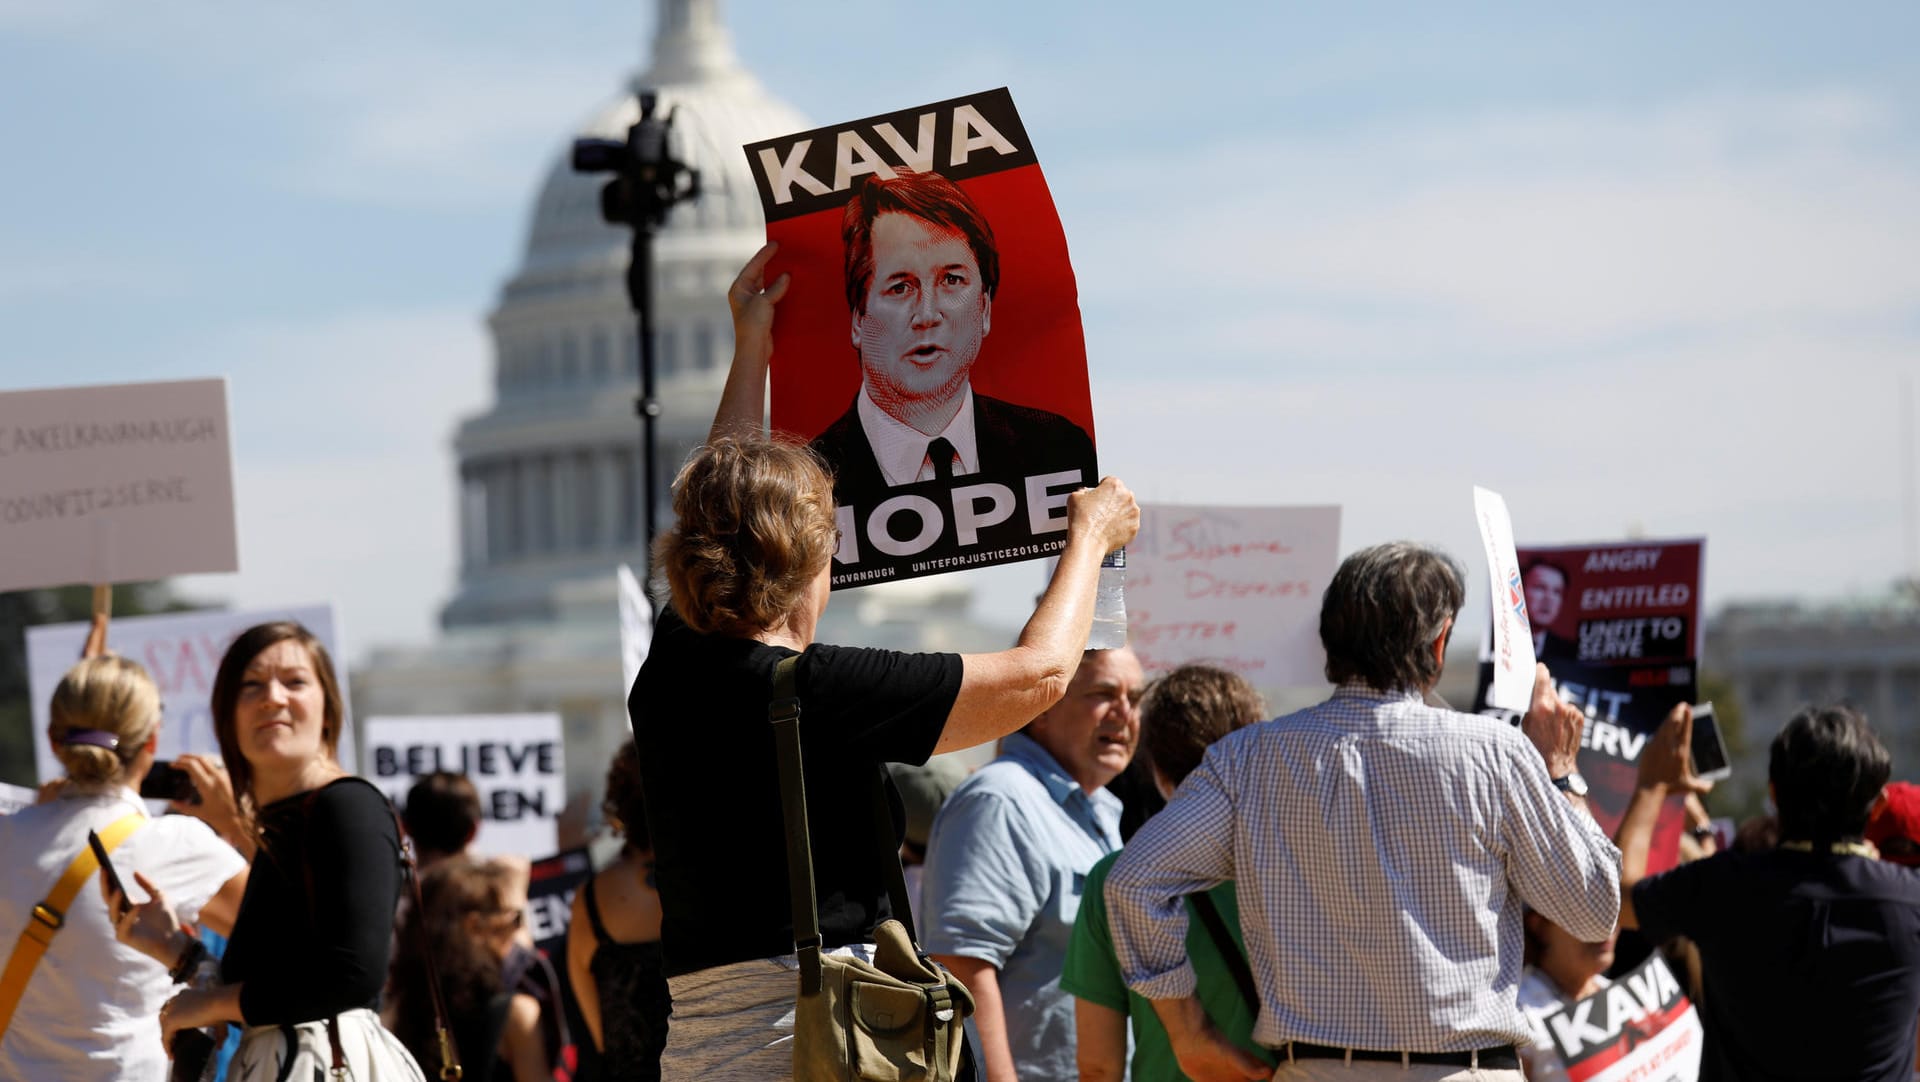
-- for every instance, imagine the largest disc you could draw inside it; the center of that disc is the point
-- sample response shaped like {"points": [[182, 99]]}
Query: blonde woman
{"points": [[91, 1006]]}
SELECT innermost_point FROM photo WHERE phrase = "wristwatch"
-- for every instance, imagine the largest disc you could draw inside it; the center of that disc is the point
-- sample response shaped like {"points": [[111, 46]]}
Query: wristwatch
{"points": [[1572, 783]]}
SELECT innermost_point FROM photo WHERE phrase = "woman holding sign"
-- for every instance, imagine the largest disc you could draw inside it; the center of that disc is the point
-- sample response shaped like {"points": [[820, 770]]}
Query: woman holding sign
{"points": [[86, 1009], [747, 562], [308, 952]]}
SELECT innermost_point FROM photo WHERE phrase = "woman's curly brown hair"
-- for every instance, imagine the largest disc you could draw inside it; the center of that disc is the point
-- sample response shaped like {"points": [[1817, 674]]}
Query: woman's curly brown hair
{"points": [[754, 527]]}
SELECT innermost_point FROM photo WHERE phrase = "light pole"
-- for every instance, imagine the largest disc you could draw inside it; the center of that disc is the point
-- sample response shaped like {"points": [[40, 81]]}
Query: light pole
{"points": [[647, 183]]}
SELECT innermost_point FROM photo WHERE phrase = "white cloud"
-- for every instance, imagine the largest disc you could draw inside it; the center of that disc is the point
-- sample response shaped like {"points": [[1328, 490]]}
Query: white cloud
{"points": [[1500, 235], [415, 131], [345, 477]]}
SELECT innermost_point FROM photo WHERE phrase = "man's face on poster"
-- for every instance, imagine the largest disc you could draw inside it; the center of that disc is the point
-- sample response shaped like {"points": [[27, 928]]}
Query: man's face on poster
{"points": [[926, 316], [1546, 591]]}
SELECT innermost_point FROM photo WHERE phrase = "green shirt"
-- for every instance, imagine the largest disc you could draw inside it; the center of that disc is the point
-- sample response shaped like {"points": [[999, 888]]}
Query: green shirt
{"points": [[1093, 974]]}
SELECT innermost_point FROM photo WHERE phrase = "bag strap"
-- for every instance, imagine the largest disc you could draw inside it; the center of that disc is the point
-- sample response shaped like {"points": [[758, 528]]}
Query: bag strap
{"points": [[50, 916], [890, 856], [1229, 950], [783, 713], [450, 1069]]}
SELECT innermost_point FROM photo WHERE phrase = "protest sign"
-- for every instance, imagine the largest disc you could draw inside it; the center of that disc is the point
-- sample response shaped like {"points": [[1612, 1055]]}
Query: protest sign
{"points": [[514, 760], [14, 797], [550, 886], [1507, 651], [1237, 587], [181, 651], [636, 630], [929, 345], [1618, 626], [1639, 1027], [115, 483]]}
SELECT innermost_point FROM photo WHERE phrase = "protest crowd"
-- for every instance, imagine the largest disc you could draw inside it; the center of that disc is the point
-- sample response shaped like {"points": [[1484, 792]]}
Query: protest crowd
{"points": [[1375, 886]]}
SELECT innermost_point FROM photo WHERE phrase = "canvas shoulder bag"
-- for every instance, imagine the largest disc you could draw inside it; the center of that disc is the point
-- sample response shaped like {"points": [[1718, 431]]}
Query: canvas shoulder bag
{"points": [[896, 1019]]}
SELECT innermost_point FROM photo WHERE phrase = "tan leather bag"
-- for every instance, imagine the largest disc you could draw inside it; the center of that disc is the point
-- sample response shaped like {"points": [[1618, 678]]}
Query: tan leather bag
{"points": [[898, 1018]]}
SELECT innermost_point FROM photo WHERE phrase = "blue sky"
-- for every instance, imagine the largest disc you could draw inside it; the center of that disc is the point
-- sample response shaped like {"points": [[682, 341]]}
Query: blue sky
{"points": [[1637, 269]]}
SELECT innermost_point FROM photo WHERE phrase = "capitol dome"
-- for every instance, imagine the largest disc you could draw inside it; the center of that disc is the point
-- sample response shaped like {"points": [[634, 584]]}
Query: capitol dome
{"points": [[550, 476]]}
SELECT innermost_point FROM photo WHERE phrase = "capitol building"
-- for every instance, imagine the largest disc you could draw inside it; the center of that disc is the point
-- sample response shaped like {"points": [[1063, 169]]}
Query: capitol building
{"points": [[549, 485]]}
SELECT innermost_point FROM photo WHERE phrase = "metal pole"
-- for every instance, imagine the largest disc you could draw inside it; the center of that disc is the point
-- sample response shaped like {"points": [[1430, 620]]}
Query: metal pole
{"points": [[640, 295]]}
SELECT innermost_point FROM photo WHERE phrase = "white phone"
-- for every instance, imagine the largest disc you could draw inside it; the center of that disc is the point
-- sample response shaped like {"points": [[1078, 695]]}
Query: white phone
{"points": [[1710, 759]]}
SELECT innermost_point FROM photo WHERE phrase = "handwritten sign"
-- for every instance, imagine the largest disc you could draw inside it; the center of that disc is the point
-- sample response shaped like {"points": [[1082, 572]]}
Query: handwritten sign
{"points": [[182, 652], [115, 484], [514, 760], [1510, 647], [1237, 587]]}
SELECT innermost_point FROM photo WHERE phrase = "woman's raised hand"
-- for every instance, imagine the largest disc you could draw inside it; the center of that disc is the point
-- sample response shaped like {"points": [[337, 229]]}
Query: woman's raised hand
{"points": [[752, 298], [150, 927], [1107, 514], [218, 807]]}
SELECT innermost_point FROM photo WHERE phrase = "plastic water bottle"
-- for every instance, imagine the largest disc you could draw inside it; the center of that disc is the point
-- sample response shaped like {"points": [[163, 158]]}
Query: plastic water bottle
{"points": [[1110, 604]]}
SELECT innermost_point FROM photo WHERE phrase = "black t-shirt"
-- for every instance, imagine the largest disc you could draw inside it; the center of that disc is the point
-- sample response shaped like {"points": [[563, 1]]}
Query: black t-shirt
{"points": [[712, 784], [305, 958], [1810, 961]]}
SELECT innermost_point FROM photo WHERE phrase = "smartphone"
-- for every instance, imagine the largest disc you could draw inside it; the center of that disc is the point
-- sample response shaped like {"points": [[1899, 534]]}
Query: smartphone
{"points": [[1710, 760], [106, 869], [168, 782]]}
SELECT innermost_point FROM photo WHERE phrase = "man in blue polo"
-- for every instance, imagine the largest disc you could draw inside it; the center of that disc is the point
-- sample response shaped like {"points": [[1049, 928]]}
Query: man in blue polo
{"points": [[1008, 859]]}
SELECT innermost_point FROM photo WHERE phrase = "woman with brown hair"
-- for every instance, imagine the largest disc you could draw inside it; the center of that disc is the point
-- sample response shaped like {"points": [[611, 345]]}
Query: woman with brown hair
{"points": [[613, 939], [470, 912], [308, 952], [747, 563], [89, 1005]]}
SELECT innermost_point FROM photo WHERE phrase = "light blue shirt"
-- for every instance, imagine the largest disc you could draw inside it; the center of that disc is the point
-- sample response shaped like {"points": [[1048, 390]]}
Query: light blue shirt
{"points": [[1007, 861], [1383, 851]]}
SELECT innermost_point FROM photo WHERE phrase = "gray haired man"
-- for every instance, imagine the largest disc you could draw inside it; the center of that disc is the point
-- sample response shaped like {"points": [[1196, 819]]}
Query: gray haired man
{"points": [[1384, 849]]}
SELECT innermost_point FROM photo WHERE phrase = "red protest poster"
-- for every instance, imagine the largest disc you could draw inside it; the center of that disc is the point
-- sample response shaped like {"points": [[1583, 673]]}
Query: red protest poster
{"points": [[1618, 626], [929, 346]]}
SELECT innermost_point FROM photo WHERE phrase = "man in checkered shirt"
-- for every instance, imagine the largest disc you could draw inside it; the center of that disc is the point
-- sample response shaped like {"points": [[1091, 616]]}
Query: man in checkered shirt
{"points": [[1384, 850]]}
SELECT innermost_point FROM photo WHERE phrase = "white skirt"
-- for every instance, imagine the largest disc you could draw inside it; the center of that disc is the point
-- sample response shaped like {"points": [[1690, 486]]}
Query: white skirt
{"points": [[303, 1052]]}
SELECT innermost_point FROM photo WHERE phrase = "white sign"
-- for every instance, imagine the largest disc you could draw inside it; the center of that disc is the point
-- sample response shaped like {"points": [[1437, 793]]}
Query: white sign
{"points": [[636, 631], [181, 651], [1640, 1027], [514, 760], [15, 797], [118, 483], [1511, 650], [1237, 587]]}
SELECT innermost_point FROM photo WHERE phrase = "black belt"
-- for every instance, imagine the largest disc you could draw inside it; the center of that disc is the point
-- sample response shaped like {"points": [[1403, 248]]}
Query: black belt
{"points": [[1502, 1058]]}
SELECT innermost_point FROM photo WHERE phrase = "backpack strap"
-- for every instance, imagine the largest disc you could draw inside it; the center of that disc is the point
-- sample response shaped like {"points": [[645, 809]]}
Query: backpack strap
{"points": [[51, 915]]}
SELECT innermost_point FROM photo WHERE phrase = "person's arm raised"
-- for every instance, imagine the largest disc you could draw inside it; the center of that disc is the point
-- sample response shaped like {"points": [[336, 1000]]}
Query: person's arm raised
{"points": [[1001, 692], [1666, 767], [752, 299]]}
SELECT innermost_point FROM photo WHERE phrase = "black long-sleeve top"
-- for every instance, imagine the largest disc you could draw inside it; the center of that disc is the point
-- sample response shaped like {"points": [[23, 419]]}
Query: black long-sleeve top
{"points": [[308, 956]]}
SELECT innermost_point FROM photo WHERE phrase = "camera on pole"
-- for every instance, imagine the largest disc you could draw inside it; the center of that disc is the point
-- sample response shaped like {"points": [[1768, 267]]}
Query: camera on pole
{"points": [[648, 181]]}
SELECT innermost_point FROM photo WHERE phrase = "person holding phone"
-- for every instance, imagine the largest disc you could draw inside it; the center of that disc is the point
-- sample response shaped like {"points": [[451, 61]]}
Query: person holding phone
{"points": [[1809, 950], [308, 952], [91, 1006]]}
